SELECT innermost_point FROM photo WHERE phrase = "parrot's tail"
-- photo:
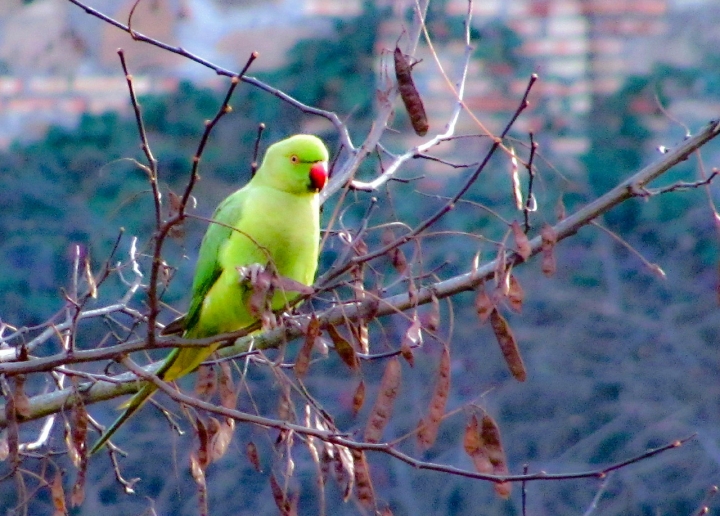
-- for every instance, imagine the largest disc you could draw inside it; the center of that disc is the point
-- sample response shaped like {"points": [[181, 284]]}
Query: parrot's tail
{"points": [[131, 406]]}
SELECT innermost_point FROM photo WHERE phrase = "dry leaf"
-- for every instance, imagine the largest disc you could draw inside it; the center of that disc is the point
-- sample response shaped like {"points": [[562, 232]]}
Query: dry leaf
{"points": [[515, 294], [358, 398], [343, 348], [508, 345], [549, 239], [363, 481], [427, 433], [522, 244], [382, 410], [302, 361], [483, 304]]}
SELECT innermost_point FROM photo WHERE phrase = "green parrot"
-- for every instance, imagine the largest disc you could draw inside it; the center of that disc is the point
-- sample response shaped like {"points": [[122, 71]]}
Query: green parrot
{"points": [[275, 220]]}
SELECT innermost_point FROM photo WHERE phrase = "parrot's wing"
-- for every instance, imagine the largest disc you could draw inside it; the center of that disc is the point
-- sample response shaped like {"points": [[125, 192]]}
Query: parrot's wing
{"points": [[207, 272], [208, 265]]}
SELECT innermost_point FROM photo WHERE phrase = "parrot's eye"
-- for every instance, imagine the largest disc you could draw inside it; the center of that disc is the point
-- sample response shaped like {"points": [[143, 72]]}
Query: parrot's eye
{"points": [[294, 159]]}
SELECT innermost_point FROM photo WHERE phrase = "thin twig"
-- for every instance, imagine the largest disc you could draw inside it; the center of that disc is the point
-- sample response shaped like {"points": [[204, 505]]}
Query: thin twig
{"points": [[530, 200]]}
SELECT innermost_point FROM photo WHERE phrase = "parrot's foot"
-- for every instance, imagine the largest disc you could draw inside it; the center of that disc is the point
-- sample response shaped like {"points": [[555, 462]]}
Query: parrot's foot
{"points": [[253, 274]]}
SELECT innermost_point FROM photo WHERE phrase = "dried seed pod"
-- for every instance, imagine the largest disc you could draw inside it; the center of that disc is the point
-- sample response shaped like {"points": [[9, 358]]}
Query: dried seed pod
{"points": [[483, 304], [286, 503], [508, 345], [427, 433], [302, 361], [252, 453], [411, 340], [482, 443], [363, 482], [202, 454], [522, 244], [490, 434], [205, 381], [549, 239], [220, 436], [358, 398], [409, 94], [433, 318], [75, 438], [407, 353], [474, 446], [381, 411], [58, 494], [228, 393], [515, 294], [343, 348]]}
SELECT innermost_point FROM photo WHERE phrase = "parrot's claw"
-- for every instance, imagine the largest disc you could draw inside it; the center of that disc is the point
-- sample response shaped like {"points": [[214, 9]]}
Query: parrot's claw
{"points": [[251, 273]]}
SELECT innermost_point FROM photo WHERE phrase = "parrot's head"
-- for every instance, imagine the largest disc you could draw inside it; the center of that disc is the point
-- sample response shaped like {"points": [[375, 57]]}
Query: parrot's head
{"points": [[297, 165]]}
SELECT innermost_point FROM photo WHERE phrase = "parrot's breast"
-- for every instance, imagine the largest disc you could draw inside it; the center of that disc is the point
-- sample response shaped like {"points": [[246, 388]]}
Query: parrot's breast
{"points": [[275, 228]]}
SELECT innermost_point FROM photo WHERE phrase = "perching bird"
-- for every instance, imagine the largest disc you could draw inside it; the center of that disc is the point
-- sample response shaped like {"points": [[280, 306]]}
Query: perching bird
{"points": [[273, 220]]}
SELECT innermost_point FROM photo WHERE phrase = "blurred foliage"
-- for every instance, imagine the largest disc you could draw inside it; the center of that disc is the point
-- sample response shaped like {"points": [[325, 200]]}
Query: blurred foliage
{"points": [[342, 77]]}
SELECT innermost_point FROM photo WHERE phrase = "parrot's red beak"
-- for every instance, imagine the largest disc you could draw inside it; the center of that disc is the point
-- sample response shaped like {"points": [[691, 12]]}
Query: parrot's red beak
{"points": [[318, 175]]}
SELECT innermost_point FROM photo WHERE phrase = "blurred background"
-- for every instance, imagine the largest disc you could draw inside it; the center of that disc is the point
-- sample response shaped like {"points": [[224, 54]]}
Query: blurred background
{"points": [[618, 359]]}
